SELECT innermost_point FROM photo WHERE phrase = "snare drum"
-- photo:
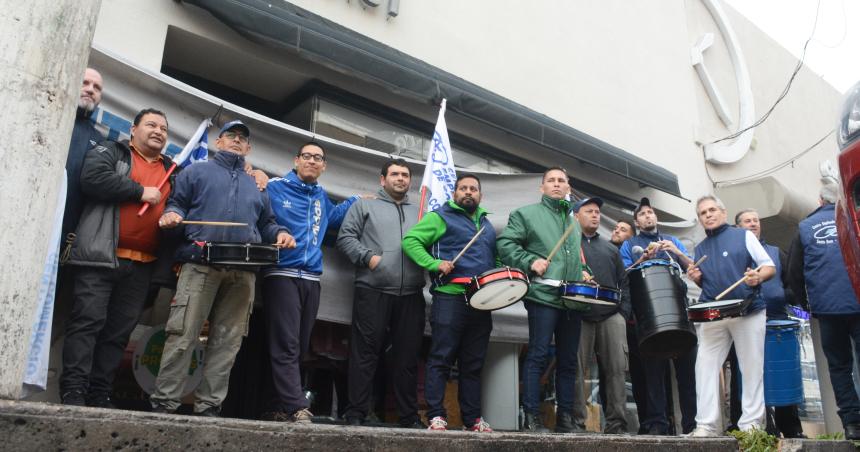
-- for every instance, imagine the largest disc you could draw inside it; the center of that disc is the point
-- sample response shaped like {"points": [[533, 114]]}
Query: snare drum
{"points": [[711, 311], [239, 254], [594, 298], [496, 289]]}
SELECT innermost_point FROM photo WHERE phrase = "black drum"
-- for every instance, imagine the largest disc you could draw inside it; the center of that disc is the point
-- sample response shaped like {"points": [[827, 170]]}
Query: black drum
{"points": [[239, 254], [659, 296]]}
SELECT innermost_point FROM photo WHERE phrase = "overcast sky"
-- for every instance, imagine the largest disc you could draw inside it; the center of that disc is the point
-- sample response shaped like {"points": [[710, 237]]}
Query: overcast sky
{"points": [[833, 53]]}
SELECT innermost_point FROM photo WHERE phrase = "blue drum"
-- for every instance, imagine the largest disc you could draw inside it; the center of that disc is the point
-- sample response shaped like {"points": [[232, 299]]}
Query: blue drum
{"points": [[783, 382]]}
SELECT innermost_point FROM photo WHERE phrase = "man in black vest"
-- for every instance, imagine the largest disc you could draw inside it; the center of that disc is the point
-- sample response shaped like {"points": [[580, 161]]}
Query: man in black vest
{"points": [[459, 332]]}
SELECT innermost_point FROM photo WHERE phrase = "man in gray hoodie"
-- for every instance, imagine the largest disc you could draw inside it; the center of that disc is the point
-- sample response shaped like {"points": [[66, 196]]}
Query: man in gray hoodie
{"points": [[389, 304]]}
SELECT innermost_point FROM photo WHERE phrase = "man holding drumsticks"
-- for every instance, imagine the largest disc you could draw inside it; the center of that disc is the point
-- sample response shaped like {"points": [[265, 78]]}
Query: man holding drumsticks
{"points": [[651, 243], [458, 332], [532, 233], [733, 254], [213, 190]]}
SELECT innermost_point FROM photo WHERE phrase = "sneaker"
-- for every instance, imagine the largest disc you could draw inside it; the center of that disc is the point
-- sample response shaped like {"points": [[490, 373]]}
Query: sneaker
{"points": [[702, 432], [276, 416], [100, 401], [161, 409], [74, 398], [212, 411], [356, 421], [480, 426], [302, 416], [416, 424], [438, 423]]}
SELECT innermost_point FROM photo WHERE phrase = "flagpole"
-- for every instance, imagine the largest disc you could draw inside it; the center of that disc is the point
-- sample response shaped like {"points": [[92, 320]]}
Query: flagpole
{"points": [[161, 183], [423, 202]]}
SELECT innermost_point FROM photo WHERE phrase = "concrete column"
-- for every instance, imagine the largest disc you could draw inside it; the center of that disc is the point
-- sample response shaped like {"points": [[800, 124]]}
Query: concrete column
{"points": [[44, 46], [500, 401]]}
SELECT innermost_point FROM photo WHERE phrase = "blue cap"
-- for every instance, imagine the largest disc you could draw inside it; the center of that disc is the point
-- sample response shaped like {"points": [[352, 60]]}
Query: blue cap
{"points": [[236, 125], [593, 199]]}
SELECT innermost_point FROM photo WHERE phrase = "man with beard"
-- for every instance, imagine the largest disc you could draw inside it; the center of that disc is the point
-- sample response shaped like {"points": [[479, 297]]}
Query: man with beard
{"points": [[223, 294], [623, 231], [735, 254], [388, 305], [531, 233], [656, 245], [115, 252], [459, 333]]}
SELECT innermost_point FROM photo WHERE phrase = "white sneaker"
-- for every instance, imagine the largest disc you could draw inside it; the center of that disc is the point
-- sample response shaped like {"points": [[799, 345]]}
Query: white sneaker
{"points": [[702, 432], [438, 424]]}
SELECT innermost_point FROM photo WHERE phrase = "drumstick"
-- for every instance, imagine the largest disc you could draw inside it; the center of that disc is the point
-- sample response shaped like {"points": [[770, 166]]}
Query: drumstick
{"points": [[718, 297], [560, 242], [698, 262], [468, 244], [213, 223]]}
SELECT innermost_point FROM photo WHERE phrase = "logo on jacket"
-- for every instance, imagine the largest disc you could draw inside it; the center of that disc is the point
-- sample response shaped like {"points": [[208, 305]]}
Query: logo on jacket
{"points": [[317, 218], [287, 204], [825, 232]]}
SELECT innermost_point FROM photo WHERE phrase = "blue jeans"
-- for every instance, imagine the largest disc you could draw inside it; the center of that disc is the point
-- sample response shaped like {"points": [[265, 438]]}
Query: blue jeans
{"points": [[837, 333], [544, 322], [459, 333]]}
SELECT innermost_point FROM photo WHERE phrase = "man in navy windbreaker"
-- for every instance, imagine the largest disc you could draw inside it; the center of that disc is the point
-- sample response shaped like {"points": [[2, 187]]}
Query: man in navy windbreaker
{"points": [[291, 290], [216, 190], [816, 269]]}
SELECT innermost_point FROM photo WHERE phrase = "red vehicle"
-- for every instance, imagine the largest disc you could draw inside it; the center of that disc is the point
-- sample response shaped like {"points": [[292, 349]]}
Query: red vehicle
{"points": [[848, 204]]}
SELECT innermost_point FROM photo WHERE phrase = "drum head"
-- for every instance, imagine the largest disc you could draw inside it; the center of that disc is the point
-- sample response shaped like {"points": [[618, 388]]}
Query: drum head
{"points": [[782, 324], [498, 294]]}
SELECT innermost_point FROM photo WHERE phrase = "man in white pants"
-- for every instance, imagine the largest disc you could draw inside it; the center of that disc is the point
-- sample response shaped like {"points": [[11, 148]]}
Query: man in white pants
{"points": [[733, 253]]}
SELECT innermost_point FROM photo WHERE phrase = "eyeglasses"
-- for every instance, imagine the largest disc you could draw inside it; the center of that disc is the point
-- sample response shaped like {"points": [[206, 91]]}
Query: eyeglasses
{"points": [[233, 135], [306, 156]]}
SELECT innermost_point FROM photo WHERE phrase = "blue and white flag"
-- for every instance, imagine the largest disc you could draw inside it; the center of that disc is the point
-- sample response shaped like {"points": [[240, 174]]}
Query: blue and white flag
{"points": [[197, 148], [437, 186]]}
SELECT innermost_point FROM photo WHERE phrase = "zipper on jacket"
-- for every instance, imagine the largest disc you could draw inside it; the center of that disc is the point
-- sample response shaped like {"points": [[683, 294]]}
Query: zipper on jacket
{"points": [[402, 267], [308, 233]]}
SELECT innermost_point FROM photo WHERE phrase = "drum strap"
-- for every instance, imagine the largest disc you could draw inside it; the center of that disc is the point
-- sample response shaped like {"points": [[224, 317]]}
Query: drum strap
{"points": [[460, 280], [584, 264]]}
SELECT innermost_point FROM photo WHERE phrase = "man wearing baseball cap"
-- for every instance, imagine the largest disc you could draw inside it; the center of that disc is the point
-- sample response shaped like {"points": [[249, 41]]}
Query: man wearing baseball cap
{"points": [[650, 243], [603, 330], [223, 294]]}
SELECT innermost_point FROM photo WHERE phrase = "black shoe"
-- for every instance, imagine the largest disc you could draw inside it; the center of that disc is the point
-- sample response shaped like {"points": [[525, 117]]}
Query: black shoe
{"points": [[416, 424], [74, 397], [100, 401], [657, 430], [852, 432], [533, 424], [212, 411], [356, 421], [161, 409], [564, 423]]}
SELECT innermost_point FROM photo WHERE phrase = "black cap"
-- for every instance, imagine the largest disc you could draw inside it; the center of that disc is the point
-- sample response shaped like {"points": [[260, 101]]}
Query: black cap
{"points": [[585, 201], [644, 202]]}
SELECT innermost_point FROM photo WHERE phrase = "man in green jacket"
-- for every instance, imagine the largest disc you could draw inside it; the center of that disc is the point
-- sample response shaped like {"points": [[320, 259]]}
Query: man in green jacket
{"points": [[458, 332], [531, 234]]}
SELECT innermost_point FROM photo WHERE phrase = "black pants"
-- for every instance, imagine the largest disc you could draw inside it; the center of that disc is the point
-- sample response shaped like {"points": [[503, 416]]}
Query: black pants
{"points": [[379, 318], [106, 309], [656, 371], [637, 375], [291, 309]]}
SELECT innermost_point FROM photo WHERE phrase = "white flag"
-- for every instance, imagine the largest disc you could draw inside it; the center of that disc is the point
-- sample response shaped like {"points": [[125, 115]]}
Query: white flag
{"points": [[437, 187], [196, 150]]}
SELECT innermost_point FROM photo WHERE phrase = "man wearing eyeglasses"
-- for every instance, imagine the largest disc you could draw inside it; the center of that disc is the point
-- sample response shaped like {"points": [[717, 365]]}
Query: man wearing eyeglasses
{"points": [[291, 290]]}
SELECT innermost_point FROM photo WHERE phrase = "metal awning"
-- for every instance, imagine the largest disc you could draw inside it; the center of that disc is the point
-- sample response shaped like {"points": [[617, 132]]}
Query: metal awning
{"points": [[312, 37]]}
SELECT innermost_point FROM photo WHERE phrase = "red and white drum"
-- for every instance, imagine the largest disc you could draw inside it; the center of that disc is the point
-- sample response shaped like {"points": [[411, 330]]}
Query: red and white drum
{"points": [[710, 311], [497, 288]]}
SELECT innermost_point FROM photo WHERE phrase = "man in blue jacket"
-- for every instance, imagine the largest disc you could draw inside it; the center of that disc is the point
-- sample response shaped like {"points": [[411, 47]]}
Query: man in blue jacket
{"points": [[657, 245], [733, 253], [216, 190], [816, 268], [291, 290]]}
